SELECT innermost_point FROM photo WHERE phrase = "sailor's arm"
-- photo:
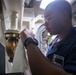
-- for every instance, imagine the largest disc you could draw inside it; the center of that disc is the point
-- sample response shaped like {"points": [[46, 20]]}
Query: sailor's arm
{"points": [[39, 64]]}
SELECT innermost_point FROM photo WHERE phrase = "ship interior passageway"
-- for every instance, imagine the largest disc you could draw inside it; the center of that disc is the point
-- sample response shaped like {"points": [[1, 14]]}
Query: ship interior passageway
{"points": [[16, 15]]}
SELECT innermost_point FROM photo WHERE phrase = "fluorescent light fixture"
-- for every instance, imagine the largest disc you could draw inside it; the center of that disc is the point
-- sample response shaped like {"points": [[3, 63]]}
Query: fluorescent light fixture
{"points": [[44, 3], [70, 1]]}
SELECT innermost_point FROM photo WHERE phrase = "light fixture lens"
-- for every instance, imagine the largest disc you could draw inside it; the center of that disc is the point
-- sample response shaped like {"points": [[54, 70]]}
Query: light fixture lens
{"points": [[44, 3]]}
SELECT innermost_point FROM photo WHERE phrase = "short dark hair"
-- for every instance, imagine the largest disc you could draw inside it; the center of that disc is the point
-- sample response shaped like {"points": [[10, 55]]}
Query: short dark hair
{"points": [[62, 6]]}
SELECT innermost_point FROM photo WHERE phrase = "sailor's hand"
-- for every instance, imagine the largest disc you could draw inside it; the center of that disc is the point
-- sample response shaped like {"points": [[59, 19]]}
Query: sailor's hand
{"points": [[25, 34]]}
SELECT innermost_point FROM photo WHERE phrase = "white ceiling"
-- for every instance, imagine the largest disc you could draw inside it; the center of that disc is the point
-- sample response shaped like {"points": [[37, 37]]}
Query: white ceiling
{"points": [[18, 6]]}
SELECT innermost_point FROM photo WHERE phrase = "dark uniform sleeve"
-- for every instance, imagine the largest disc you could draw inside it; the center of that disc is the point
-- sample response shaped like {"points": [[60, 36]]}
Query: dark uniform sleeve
{"points": [[70, 64]]}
